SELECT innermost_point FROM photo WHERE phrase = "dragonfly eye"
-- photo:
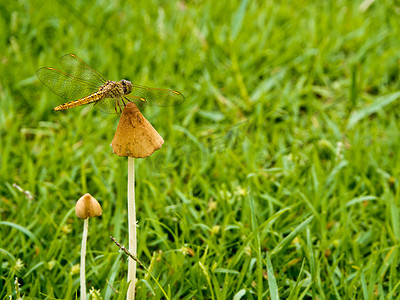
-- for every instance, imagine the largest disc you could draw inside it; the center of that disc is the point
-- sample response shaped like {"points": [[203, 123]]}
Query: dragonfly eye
{"points": [[126, 85]]}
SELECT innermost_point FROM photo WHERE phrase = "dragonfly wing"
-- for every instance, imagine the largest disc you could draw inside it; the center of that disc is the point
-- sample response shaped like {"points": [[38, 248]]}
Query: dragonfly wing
{"points": [[107, 105], [65, 85], [140, 102], [77, 68], [154, 96]]}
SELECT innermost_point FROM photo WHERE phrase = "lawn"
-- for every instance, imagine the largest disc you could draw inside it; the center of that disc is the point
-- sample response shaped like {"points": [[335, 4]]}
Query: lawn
{"points": [[279, 175]]}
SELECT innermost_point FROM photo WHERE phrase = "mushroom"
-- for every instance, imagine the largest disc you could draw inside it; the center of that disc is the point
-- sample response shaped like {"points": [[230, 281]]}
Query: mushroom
{"points": [[135, 137], [86, 207]]}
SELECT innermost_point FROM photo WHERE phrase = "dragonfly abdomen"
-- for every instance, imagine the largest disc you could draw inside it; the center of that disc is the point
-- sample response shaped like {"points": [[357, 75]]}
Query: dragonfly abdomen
{"points": [[95, 97]]}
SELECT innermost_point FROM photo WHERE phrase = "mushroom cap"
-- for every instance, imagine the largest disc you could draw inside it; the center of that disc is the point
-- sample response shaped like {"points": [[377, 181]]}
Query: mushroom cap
{"points": [[87, 207], [135, 136]]}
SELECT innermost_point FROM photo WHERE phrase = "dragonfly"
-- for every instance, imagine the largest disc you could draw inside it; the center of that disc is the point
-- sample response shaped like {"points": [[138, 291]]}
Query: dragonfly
{"points": [[83, 85]]}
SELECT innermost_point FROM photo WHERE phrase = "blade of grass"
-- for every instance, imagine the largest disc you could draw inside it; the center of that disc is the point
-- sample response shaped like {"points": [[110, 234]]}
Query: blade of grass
{"points": [[284, 242], [273, 287], [377, 105]]}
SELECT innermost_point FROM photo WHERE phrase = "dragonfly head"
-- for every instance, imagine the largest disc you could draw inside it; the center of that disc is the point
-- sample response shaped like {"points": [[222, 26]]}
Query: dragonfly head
{"points": [[126, 86]]}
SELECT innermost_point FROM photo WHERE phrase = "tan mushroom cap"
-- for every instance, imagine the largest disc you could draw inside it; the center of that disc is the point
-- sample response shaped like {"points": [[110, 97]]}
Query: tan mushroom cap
{"points": [[87, 207], [135, 136]]}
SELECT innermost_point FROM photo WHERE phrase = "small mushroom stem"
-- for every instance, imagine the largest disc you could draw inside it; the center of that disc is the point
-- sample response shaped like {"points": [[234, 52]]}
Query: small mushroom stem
{"points": [[83, 258], [132, 228]]}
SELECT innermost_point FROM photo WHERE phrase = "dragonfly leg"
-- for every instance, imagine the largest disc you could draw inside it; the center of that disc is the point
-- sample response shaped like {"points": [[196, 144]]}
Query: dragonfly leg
{"points": [[121, 104], [117, 107], [123, 101]]}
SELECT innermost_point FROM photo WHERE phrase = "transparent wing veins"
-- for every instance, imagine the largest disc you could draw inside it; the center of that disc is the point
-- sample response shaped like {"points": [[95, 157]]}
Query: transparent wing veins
{"points": [[155, 96], [77, 68], [65, 85]]}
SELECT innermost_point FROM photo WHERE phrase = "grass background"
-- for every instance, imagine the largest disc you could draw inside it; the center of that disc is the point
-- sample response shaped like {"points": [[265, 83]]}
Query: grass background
{"points": [[279, 176]]}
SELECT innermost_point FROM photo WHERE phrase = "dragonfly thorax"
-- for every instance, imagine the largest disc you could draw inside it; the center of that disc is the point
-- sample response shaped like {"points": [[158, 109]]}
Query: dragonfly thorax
{"points": [[115, 89]]}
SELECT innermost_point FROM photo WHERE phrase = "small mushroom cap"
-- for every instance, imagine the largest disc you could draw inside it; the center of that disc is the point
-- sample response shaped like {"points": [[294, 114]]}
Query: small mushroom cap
{"points": [[135, 136], [87, 207]]}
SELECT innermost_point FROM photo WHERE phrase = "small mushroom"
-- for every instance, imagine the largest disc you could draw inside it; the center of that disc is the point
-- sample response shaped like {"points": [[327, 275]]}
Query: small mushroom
{"points": [[135, 136], [87, 207]]}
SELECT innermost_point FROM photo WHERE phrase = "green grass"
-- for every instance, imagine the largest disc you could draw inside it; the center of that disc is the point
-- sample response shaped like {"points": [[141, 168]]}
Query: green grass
{"points": [[279, 176]]}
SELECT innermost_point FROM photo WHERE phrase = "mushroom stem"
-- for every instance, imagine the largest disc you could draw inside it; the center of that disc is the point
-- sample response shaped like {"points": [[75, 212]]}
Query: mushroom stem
{"points": [[132, 228], [83, 258]]}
